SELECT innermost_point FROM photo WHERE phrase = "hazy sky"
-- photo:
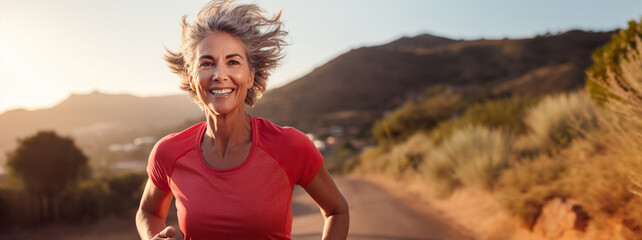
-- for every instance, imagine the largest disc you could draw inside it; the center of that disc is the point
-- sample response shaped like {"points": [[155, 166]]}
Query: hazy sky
{"points": [[49, 49]]}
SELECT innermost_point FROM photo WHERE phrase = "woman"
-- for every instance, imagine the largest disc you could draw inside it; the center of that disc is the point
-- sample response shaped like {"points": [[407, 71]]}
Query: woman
{"points": [[233, 174]]}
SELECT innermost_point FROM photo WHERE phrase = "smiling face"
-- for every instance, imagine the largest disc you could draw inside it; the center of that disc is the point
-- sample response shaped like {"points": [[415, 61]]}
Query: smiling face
{"points": [[221, 75]]}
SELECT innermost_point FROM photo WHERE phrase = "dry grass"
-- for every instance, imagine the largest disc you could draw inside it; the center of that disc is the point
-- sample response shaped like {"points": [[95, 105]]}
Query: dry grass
{"points": [[558, 119], [601, 170], [473, 156], [407, 157], [580, 151], [507, 114], [615, 187], [526, 186], [401, 160]]}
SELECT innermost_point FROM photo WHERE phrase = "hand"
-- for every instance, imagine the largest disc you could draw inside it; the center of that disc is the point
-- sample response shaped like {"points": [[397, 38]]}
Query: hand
{"points": [[167, 233]]}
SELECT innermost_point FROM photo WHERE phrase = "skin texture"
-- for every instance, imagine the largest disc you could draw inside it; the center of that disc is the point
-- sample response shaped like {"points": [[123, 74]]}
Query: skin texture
{"points": [[221, 64]]}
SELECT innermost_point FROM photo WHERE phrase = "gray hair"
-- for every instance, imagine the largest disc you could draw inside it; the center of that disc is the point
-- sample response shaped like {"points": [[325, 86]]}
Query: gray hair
{"points": [[262, 39]]}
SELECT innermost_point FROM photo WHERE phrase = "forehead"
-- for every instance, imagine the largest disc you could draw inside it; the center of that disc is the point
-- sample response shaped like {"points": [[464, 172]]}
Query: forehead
{"points": [[220, 44]]}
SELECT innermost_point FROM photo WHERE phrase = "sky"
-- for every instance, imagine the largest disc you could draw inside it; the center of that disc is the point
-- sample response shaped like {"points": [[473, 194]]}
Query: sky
{"points": [[51, 49]]}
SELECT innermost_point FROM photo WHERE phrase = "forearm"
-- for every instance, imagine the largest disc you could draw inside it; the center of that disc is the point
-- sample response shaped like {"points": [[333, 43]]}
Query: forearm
{"points": [[148, 224], [336, 226]]}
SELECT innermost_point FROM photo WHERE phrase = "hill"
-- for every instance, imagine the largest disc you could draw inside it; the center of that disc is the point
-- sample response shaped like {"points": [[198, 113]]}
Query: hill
{"points": [[352, 90], [96, 117], [357, 87]]}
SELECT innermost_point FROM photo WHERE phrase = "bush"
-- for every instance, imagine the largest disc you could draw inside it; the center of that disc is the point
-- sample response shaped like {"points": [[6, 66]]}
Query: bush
{"points": [[412, 117], [605, 74], [507, 114], [18, 208], [526, 186], [339, 161], [558, 119], [603, 173], [473, 156], [623, 118], [601, 185], [619, 190], [126, 189], [408, 156], [90, 201], [372, 160]]}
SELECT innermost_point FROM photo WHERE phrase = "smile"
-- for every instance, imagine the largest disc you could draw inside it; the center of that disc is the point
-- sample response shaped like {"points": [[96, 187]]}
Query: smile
{"points": [[221, 92]]}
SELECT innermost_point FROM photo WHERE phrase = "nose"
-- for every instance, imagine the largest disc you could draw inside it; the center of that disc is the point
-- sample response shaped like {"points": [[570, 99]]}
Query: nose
{"points": [[220, 73]]}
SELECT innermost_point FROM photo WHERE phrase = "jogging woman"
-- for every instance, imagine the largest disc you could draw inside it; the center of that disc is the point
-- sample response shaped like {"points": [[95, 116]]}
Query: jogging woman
{"points": [[233, 174]]}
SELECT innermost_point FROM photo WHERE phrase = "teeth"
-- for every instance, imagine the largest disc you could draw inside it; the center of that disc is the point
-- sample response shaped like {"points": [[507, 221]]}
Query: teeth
{"points": [[221, 92]]}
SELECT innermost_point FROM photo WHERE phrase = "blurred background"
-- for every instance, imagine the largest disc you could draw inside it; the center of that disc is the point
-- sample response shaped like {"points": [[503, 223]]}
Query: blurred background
{"points": [[533, 105]]}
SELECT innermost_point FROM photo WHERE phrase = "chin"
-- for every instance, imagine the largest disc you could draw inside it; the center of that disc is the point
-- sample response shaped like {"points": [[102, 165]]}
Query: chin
{"points": [[222, 110]]}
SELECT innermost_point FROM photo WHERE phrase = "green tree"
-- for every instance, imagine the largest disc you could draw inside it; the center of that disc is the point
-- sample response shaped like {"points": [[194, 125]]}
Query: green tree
{"points": [[48, 165]]}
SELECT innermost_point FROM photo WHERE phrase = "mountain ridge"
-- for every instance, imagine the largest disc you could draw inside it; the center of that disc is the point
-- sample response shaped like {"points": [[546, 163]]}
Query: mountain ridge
{"points": [[372, 80], [352, 90]]}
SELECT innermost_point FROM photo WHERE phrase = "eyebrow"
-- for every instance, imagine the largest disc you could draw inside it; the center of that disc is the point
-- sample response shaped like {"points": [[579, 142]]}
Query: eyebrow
{"points": [[226, 57]]}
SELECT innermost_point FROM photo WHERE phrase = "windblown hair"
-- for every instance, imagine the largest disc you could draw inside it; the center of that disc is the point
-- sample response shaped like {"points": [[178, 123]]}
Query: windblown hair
{"points": [[262, 39]]}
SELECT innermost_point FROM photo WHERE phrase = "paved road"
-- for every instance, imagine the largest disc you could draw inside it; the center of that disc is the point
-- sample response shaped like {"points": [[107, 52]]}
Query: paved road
{"points": [[374, 214]]}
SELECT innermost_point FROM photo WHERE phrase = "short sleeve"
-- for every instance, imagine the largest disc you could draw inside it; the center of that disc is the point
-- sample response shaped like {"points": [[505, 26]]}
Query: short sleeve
{"points": [[309, 157], [156, 168], [292, 149]]}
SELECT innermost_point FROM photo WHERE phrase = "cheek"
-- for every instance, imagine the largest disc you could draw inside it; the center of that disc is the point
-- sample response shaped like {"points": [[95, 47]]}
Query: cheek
{"points": [[201, 79], [242, 79]]}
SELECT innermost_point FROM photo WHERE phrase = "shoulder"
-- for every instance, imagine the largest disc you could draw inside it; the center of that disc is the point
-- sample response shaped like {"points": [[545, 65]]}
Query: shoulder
{"points": [[292, 149], [272, 134], [176, 144]]}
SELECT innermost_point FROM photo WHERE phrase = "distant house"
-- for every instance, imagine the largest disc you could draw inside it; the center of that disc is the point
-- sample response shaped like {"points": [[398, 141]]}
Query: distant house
{"points": [[144, 141], [131, 146], [123, 147]]}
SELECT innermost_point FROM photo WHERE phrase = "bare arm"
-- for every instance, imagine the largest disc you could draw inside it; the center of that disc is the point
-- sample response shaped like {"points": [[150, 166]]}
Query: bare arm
{"points": [[332, 205], [152, 212]]}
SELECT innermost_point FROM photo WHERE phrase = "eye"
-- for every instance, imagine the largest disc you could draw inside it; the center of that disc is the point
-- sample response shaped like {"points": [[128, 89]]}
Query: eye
{"points": [[233, 62], [205, 64]]}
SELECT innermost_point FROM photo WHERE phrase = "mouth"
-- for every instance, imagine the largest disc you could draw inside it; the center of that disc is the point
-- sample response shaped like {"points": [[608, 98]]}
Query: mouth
{"points": [[221, 92]]}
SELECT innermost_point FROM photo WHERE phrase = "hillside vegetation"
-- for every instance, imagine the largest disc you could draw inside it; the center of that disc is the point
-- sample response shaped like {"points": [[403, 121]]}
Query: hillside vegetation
{"points": [[579, 147], [360, 86], [451, 97]]}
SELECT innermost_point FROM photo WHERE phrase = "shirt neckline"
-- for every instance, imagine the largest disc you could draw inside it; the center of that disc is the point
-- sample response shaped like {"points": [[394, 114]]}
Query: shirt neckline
{"points": [[203, 128]]}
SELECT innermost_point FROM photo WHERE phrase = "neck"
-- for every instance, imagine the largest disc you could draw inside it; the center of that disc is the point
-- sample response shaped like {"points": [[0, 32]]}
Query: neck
{"points": [[228, 131]]}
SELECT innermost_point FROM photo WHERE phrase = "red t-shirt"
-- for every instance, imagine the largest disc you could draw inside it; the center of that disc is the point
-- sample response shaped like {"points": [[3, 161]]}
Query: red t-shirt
{"points": [[250, 201]]}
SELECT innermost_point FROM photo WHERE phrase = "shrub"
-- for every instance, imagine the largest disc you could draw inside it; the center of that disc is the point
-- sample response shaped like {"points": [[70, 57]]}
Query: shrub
{"points": [[18, 208], [526, 186], [601, 185], [557, 119], [597, 179], [605, 73], [472, 156], [125, 190], [90, 201], [104, 195], [507, 114], [339, 161], [372, 160], [412, 117], [350, 164], [623, 118], [620, 189], [408, 156]]}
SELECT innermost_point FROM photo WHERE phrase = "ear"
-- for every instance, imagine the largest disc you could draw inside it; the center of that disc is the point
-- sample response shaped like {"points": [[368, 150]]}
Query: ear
{"points": [[251, 80], [191, 82]]}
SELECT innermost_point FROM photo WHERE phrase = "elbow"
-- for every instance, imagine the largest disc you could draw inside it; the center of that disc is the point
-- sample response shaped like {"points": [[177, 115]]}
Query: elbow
{"points": [[140, 217], [342, 209]]}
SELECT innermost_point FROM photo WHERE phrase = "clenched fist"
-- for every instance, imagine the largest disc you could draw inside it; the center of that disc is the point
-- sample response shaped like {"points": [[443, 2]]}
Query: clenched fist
{"points": [[167, 234]]}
